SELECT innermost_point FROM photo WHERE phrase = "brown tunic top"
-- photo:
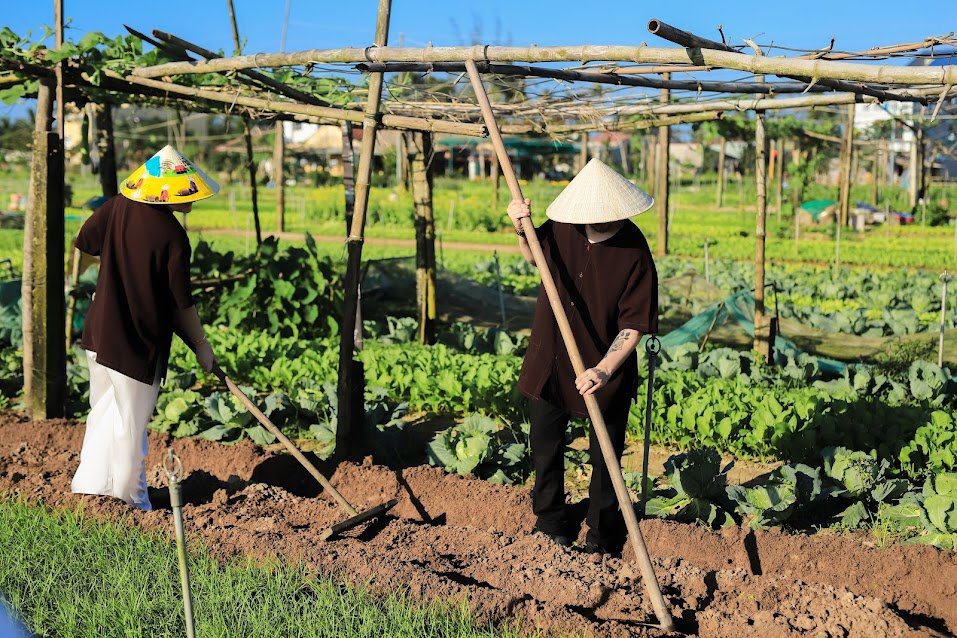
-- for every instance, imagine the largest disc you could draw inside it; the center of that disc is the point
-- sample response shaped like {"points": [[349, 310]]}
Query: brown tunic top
{"points": [[144, 278], [605, 288]]}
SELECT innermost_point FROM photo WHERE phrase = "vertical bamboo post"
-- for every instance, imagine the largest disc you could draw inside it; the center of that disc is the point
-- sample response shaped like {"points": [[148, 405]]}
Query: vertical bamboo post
{"points": [[843, 211], [664, 143], [58, 24], [912, 186], [762, 342], [41, 125], [583, 150], [106, 149], [278, 175], [247, 134], [345, 430], [944, 278], [612, 462], [875, 172], [418, 145], [496, 177], [779, 181], [48, 366], [721, 159]]}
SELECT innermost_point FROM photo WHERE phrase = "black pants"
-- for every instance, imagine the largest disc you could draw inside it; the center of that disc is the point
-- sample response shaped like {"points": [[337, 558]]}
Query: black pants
{"points": [[547, 438]]}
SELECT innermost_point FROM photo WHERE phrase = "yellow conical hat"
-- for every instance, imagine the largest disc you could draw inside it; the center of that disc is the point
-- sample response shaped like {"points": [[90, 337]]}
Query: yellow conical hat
{"points": [[597, 195], [168, 178]]}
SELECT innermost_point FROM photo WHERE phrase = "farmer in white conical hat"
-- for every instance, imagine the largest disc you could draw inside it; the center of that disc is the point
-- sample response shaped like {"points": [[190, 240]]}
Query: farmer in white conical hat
{"points": [[608, 285], [142, 296]]}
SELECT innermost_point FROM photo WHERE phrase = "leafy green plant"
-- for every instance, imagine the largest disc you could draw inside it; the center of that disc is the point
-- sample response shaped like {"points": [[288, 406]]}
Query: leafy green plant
{"points": [[480, 446], [931, 514], [788, 489], [695, 489], [860, 478]]}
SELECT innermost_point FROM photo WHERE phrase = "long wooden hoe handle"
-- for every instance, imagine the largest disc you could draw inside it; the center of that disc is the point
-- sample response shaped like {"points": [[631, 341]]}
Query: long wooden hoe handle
{"points": [[299, 456], [598, 422]]}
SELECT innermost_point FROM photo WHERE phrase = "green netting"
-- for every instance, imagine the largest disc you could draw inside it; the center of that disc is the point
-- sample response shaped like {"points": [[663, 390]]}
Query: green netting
{"points": [[815, 207], [738, 309]]}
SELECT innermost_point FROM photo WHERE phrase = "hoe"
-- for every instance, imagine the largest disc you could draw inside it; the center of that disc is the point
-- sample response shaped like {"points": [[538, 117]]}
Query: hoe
{"points": [[355, 517]]}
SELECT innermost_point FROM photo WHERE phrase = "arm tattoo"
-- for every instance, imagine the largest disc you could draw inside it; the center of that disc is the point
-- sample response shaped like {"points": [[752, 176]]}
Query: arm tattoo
{"points": [[619, 341]]}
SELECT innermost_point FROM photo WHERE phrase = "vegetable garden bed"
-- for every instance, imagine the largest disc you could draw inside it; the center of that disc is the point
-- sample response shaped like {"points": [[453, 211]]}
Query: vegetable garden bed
{"points": [[458, 538]]}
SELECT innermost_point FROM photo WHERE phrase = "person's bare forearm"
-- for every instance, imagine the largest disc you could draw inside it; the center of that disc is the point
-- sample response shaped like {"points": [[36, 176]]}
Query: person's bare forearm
{"points": [[620, 349], [190, 327]]}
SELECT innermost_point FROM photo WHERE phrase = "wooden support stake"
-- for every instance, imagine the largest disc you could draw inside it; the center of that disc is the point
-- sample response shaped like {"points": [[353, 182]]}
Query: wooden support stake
{"points": [[762, 342], [42, 119], [106, 148], [247, 134], [348, 422], [612, 462], [721, 159], [779, 181], [662, 173], [48, 366], [278, 177], [419, 148], [844, 194]]}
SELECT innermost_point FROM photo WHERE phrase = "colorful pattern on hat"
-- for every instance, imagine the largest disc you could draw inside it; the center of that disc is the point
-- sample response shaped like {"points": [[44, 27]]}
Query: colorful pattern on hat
{"points": [[168, 178]]}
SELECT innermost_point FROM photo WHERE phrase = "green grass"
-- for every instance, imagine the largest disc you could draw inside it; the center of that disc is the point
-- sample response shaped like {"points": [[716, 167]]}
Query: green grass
{"points": [[69, 575]]}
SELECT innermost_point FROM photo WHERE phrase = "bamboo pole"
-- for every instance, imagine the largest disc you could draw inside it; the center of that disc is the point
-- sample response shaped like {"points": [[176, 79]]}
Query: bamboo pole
{"points": [[847, 156], [612, 462], [496, 177], [779, 181], [419, 148], [36, 205], [345, 430], [278, 176], [875, 179], [721, 160], [607, 77], [663, 172], [615, 125], [821, 69], [58, 26], [330, 113], [685, 39], [762, 337], [48, 386], [261, 78], [247, 135]]}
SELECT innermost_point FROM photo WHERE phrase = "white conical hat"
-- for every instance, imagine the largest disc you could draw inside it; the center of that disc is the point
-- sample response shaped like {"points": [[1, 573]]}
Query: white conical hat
{"points": [[598, 195]]}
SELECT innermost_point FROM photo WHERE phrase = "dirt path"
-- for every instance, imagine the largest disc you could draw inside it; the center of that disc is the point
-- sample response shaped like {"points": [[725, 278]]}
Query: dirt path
{"points": [[452, 536]]}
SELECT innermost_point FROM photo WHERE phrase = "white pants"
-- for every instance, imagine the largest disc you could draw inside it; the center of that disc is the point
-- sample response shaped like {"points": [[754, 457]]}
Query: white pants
{"points": [[113, 458]]}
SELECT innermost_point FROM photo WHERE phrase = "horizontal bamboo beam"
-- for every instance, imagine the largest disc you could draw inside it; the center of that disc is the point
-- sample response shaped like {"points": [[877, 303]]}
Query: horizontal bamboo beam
{"points": [[584, 76], [330, 113], [632, 125], [697, 43], [836, 140], [820, 69], [926, 43], [282, 89]]}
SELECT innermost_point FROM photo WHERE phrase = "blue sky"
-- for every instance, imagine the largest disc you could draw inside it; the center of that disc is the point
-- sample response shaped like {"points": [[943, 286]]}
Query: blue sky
{"points": [[327, 24]]}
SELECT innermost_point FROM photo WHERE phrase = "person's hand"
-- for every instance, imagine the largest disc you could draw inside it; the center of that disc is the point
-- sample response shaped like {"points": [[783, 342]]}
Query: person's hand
{"points": [[589, 381], [517, 209], [205, 356]]}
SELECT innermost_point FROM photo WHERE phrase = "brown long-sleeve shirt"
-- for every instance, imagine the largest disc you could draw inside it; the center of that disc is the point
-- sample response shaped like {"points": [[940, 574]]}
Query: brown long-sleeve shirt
{"points": [[605, 287], [144, 279]]}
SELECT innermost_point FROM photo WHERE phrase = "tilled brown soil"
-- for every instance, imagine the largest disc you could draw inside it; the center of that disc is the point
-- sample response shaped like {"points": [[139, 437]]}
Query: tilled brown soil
{"points": [[453, 537]]}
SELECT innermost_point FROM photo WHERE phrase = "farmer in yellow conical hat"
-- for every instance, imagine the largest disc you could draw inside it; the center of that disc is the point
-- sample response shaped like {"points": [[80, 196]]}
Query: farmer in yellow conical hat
{"points": [[142, 296], [608, 285]]}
